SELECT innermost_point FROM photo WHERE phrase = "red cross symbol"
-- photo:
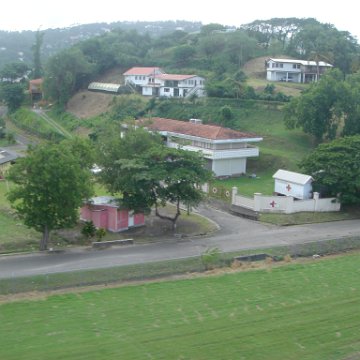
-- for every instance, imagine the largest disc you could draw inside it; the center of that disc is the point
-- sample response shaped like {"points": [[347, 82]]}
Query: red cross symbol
{"points": [[288, 187], [272, 204]]}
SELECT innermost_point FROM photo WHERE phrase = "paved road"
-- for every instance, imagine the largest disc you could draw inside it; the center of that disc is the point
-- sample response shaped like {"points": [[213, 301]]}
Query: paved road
{"points": [[234, 233]]}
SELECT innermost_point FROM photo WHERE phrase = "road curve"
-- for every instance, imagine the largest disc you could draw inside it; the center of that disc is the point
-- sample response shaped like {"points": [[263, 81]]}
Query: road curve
{"points": [[235, 233]]}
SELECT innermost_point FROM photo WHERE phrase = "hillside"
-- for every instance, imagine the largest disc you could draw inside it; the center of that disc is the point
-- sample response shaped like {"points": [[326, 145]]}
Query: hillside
{"points": [[86, 104], [256, 74], [16, 45]]}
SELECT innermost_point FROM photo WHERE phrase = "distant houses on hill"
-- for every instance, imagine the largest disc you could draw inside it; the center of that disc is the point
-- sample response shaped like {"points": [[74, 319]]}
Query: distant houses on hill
{"points": [[298, 71], [153, 81]]}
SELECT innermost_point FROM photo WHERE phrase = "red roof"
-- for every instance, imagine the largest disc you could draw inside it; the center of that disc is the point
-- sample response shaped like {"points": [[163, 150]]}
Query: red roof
{"points": [[147, 71], [206, 131], [174, 77], [36, 81]]}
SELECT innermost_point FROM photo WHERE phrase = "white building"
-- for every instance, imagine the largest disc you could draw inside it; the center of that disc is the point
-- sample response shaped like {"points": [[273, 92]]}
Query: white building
{"points": [[293, 184], [153, 81], [225, 150], [299, 71]]}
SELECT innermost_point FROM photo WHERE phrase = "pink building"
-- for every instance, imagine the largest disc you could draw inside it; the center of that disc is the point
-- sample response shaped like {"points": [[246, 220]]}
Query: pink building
{"points": [[105, 212]]}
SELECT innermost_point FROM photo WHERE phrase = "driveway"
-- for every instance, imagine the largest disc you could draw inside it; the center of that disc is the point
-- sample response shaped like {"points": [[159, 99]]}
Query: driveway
{"points": [[235, 233]]}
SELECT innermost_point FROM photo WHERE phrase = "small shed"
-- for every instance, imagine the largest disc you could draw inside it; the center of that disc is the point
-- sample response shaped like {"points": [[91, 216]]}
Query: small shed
{"points": [[106, 212], [7, 157], [293, 184]]}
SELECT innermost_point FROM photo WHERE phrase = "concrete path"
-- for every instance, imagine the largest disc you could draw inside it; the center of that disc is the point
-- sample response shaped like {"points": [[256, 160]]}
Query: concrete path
{"points": [[235, 233]]}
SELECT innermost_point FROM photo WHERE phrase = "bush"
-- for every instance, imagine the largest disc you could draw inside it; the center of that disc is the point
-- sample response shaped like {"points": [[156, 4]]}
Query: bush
{"points": [[210, 258], [89, 229]]}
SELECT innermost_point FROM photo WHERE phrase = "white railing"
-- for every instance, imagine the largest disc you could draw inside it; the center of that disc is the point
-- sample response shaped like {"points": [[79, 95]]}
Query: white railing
{"points": [[219, 154]]}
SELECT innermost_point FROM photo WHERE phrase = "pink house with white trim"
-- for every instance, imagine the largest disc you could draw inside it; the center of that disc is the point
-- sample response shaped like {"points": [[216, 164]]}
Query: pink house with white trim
{"points": [[105, 212]]}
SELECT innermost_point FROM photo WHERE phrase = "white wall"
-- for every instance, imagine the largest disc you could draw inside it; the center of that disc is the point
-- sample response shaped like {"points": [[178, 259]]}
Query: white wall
{"points": [[296, 190], [147, 90], [285, 204], [228, 167]]}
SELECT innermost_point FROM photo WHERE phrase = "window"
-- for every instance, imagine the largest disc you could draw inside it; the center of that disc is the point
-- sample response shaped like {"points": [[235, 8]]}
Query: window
{"points": [[166, 90], [281, 65]]}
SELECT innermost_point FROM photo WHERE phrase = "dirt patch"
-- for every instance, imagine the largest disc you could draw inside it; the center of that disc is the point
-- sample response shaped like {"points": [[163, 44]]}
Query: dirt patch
{"points": [[86, 104]]}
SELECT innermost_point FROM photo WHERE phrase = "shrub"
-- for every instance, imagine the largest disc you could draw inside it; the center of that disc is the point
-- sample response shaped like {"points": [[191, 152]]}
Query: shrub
{"points": [[89, 229], [210, 258]]}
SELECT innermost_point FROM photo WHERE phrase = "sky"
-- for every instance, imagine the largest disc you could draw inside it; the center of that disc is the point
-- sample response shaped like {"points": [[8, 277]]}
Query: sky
{"points": [[43, 14]]}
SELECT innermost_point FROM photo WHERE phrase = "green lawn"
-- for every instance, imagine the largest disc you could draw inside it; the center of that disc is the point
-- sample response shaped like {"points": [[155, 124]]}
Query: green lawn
{"points": [[298, 311]]}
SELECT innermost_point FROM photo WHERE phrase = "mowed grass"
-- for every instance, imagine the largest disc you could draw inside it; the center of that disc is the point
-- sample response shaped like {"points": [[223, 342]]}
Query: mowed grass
{"points": [[297, 311]]}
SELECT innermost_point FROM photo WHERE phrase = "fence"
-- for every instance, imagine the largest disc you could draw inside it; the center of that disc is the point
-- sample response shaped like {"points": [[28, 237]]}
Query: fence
{"points": [[284, 204]]}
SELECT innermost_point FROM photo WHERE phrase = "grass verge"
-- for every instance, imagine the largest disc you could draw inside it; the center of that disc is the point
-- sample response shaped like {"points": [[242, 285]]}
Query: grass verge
{"points": [[299, 311], [155, 270]]}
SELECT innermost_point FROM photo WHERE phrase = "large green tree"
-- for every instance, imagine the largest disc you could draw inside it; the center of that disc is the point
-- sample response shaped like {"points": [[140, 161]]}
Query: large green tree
{"points": [[36, 49], [335, 167], [12, 94], [148, 174], [66, 73], [51, 185], [319, 110]]}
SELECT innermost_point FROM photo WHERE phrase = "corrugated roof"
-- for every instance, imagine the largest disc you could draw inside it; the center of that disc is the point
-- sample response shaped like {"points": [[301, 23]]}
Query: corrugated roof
{"points": [[7, 156], [104, 86], [104, 200], [206, 131], [302, 62], [147, 71], [292, 177]]}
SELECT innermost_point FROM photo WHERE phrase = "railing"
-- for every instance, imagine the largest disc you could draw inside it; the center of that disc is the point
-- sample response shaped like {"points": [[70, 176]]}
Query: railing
{"points": [[219, 154]]}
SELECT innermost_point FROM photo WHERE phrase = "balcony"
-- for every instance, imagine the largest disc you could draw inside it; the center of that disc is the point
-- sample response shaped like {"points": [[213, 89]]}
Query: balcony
{"points": [[249, 151]]}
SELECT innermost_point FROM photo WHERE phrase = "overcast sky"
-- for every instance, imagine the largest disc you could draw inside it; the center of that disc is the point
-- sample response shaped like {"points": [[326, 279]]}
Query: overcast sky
{"points": [[44, 14]]}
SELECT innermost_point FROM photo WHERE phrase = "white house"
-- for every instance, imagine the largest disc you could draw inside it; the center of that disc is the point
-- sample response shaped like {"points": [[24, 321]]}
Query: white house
{"points": [[293, 184], [153, 81], [225, 150], [299, 71]]}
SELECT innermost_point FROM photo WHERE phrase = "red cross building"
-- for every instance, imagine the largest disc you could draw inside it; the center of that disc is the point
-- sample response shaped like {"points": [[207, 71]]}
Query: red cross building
{"points": [[272, 204], [288, 187]]}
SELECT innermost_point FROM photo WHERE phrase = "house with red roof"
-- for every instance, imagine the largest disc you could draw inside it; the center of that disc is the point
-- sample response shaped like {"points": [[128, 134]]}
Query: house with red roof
{"points": [[225, 150], [153, 81]]}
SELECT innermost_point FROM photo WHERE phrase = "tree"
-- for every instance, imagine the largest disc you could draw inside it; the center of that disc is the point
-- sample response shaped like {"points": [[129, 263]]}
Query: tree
{"points": [[319, 111], [51, 186], [12, 94], [148, 174], [66, 73], [15, 71], [2, 128], [183, 55], [36, 48], [335, 167]]}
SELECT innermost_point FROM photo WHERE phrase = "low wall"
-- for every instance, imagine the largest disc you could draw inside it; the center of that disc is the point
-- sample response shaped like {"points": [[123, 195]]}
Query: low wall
{"points": [[284, 204]]}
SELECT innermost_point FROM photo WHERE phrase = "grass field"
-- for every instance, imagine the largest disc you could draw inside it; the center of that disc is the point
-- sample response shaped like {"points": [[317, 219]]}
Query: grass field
{"points": [[297, 311]]}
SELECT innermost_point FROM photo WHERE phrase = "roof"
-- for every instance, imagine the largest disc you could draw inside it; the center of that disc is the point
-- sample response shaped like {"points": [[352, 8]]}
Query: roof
{"points": [[104, 200], [177, 77], [104, 86], [7, 156], [302, 62], [36, 81], [292, 177], [143, 71], [206, 131]]}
